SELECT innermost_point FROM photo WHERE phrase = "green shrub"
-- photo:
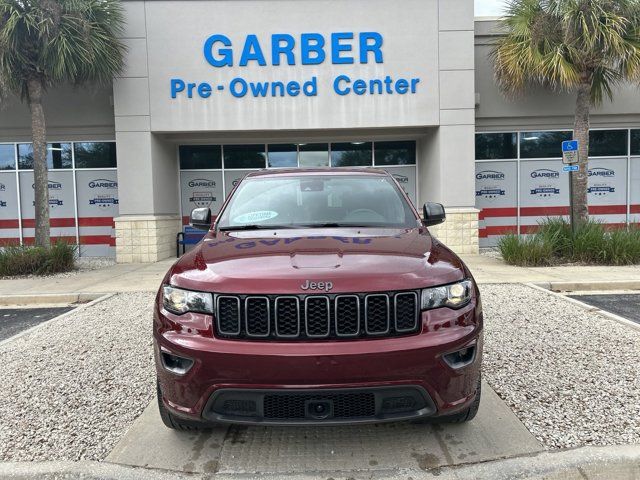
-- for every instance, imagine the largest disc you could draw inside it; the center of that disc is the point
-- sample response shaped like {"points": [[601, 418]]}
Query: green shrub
{"points": [[27, 260], [556, 232], [526, 251], [554, 242]]}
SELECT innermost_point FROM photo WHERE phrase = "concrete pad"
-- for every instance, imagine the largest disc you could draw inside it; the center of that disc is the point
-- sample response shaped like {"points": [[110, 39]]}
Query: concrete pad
{"points": [[619, 462], [495, 433], [150, 444]]}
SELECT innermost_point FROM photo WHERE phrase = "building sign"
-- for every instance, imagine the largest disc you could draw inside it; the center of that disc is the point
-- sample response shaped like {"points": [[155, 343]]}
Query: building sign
{"points": [[304, 67], [345, 48]]}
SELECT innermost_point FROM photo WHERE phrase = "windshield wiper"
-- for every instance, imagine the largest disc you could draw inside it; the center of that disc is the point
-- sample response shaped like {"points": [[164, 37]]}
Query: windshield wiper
{"points": [[254, 227], [334, 225]]}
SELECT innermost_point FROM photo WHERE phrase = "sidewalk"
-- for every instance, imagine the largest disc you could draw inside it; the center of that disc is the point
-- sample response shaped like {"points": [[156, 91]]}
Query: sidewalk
{"points": [[147, 277]]}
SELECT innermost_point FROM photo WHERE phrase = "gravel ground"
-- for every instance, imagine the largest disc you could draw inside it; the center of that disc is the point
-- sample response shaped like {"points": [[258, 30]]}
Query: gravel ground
{"points": [[571, 376], [73, 387]]}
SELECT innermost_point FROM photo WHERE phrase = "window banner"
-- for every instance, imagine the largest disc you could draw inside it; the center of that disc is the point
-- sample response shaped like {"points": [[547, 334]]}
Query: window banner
{"points": [[497, 200], [9, 233], [200, 189], [544, 192], [406, 177], [98, 204], [607, 190], [61, 205], [635, 190]]}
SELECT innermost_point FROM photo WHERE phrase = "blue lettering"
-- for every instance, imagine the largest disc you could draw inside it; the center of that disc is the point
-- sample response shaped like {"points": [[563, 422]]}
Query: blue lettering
{"points": [[277, 87], [243, 87], [310, 88], [204, 90], [293, 88], [402, 86], [177, 86], [375, 47], [259, 89], [336, 85], [312, 43], [359, 87], [277, 49], [337, 47], [252, 52], [226, 54], [414, 83]]}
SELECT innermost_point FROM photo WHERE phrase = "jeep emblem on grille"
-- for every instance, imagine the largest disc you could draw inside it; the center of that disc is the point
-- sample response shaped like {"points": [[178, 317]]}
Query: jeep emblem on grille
{"points": [[309, 285]]}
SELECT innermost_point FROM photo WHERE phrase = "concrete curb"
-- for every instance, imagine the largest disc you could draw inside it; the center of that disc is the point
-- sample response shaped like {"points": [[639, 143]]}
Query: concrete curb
{"points": [[590, 286], [589, 308], [48, 298], [101, 298], [586, 463]]}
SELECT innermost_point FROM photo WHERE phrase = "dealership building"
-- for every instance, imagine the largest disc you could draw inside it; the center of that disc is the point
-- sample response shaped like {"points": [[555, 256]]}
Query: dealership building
{"points": [[215, 89]]}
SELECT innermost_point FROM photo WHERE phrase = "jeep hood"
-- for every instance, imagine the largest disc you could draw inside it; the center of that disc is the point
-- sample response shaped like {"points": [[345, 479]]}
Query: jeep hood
{"points": [[280, 261]]}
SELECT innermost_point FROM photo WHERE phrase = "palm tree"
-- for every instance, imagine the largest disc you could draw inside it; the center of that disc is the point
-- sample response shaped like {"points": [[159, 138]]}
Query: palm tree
{"points": [[46, 43], [586, 47]]}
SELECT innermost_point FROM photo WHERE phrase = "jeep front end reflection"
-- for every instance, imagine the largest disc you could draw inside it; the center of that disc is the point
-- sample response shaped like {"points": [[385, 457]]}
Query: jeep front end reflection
{"points": [[318, 296]]}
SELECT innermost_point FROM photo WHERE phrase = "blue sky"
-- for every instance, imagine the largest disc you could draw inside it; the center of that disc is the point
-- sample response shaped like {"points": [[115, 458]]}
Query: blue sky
{"points": [[489, 8]]}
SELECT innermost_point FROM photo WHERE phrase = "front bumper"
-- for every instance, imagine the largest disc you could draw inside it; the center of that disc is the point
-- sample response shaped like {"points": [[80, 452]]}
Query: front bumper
{"points": [[245, 373]]}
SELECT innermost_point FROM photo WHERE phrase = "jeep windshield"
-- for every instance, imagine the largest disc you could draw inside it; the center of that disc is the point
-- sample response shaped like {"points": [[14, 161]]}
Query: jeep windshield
{"points": [[317, 201]]}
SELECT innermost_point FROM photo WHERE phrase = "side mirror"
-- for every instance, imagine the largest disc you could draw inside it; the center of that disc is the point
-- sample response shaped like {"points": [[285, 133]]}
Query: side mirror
{"points": [[434, 214], [200, 218]]}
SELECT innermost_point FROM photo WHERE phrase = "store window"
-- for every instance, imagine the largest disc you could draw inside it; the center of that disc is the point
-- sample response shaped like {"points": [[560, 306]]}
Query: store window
{"points": [[7, 157], [95, 154], [283, 155], [240, 157], [314, 154], [354, 154], [395, 153], [58, 156], [496, 146], [197, 157], [543, 144], [608, 143], [635, 142]]}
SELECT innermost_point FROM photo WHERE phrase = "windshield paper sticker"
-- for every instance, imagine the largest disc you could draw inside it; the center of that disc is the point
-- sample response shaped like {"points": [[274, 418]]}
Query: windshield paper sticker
{"points": [[253, 217]]}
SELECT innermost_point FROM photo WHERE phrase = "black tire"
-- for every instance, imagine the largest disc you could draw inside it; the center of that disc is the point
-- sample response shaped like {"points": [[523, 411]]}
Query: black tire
{"points": [[174, 422], [465, 415]]}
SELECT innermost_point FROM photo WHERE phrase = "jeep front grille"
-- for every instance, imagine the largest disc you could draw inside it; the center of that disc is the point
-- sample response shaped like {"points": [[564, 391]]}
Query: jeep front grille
{"points": [[334, 316]]}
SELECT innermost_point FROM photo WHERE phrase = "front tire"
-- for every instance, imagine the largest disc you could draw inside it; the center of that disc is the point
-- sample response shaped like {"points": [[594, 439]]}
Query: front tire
{"points": [[174, 422]]}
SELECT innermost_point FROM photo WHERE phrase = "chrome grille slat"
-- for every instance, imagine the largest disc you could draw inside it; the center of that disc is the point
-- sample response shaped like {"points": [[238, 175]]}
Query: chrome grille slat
{"points": [[405, 311], [317, 316], [376, 314], [257, 317], [330, 316], [287, 307], [345, 324], [228, 315]]}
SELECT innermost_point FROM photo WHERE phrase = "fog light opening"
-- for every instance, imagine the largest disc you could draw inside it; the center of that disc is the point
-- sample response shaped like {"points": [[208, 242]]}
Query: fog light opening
{"points": [[461, 358], [176, 364]]}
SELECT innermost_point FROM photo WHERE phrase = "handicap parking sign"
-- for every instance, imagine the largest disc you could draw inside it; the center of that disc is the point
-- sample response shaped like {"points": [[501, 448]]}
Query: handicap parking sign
{"points": [[570, 152]]}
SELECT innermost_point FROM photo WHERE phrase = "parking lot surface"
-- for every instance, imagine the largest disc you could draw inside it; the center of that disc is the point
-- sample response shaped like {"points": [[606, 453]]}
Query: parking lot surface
{"points": [[495, 433], [16, 320], [625, 305]]}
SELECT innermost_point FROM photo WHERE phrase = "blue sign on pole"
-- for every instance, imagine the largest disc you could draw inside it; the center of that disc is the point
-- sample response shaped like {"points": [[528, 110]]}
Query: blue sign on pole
{"points": [[571, 168], [570, 146]]}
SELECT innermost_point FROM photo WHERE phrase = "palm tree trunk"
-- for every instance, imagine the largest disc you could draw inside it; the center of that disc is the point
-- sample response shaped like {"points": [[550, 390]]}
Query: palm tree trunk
{"points": [[580, 179], [40, 174]]}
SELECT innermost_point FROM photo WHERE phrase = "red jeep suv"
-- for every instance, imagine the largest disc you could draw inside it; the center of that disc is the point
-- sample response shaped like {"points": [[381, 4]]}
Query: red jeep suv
{"points": [[317, 297]]}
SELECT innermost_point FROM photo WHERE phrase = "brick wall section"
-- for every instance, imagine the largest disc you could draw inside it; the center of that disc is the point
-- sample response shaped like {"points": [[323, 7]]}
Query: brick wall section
{"points": [[146, 238], [460, 231]]}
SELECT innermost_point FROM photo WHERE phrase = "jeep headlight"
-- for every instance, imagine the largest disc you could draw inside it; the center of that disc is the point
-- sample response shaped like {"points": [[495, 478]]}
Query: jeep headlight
{"points": [[179, 301], [456, 295]]}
